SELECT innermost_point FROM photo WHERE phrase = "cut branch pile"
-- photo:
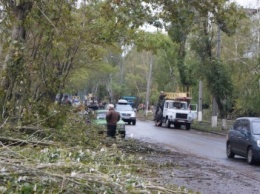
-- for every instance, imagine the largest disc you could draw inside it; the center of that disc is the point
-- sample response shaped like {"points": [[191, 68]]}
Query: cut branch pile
{"points": [[109, 167], [73, 171]]}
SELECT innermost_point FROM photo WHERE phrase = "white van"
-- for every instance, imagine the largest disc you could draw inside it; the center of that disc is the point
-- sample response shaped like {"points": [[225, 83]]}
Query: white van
{"points": [[126, 111]]}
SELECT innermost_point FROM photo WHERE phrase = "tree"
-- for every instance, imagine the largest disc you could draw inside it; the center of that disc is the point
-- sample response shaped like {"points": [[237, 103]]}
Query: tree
{"points": [[50, 40], [150, 48], [13, 65]]}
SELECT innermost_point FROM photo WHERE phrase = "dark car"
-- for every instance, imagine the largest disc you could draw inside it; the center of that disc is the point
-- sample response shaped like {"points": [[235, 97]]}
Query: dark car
{"points": [[243, 139]]}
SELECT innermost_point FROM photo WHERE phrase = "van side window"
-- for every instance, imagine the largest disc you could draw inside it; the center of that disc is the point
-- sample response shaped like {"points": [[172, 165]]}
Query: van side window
{"points": [[237, 125], [245, 126]]}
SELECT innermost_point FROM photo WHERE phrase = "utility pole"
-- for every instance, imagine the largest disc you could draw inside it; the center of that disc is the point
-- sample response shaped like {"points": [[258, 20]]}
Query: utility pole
{"points": [[258, 38], [200, 102], [148, 85], [214, 119]]}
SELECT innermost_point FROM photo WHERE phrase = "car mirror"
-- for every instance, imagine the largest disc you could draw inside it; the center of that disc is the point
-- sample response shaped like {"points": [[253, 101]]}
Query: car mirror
{"points": [[245, 132]]}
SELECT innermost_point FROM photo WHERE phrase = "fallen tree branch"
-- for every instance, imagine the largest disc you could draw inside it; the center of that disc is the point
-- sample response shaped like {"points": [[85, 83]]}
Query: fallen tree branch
{"points": [[30, 129], [6, 140], [159, 188]]}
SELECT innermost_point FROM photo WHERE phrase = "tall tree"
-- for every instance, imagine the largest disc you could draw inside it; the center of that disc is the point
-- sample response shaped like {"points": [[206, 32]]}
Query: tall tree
{"points": [[13, 65], [51, 39], [184, 17]]}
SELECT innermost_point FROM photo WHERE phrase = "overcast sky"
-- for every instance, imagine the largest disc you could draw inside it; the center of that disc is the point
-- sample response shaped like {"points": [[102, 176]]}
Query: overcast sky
{"points": [[244, 3], [248, 3]]}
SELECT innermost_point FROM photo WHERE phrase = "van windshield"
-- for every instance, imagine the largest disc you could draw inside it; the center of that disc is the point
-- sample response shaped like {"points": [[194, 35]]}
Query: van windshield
{"points": [[125, 107], [256, 127]]}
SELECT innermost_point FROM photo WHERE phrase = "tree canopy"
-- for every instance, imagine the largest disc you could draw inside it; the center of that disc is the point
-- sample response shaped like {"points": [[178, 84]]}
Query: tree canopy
{"points": [[50, 47]]}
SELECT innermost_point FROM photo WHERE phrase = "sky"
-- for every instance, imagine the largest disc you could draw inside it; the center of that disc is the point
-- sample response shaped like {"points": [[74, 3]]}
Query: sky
{"points": [[244, 3], [248, 3]]}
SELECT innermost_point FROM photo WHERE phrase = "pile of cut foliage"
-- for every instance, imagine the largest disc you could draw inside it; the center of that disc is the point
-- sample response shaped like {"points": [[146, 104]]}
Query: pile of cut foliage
{"points": [[75, 159]]}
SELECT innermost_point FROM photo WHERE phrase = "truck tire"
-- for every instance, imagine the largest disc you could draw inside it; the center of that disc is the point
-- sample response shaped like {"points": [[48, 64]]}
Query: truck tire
{"points": [[187, 126], [168, 123]]}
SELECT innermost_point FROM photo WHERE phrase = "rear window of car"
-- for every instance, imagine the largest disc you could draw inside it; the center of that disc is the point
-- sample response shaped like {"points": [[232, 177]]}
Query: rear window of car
{"points": [[256, 127], [124, 107], [101, 115]]}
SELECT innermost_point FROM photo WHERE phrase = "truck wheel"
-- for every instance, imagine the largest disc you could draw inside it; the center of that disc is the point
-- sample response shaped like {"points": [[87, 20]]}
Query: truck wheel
{"points": [[168, 123], [134, 122], [188, 126]]}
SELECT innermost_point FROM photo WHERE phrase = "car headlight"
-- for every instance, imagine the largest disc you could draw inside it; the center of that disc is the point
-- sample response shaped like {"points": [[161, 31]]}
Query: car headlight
{"points": [[258, 143]]}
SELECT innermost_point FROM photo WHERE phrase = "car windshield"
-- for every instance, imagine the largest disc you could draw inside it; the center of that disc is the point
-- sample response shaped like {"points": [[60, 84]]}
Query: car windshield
{"points": [[101, 115], [125, 107], [256, 127]]}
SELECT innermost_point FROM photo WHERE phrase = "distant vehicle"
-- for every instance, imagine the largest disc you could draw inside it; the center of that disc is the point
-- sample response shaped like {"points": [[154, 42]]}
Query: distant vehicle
{"points": [[126, 111], [93, 105], [65, 100], [243, 139], [177, 110], [91, 102], [76, 101], [100, 120], [131, 100]]}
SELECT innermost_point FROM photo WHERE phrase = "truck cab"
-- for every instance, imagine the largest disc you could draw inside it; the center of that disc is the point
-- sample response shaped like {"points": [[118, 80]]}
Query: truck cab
{"points": [[178, 111]]}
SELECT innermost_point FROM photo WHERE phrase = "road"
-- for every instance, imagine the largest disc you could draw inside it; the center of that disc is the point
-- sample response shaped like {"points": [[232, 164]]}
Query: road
{"points": [[209, 147]]}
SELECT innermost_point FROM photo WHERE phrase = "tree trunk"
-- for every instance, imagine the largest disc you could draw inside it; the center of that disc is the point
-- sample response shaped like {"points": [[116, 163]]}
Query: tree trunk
{"points": [[13, 64]]}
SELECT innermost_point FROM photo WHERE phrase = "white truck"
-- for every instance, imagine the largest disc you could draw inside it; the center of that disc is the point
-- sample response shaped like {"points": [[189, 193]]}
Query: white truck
{"points": [[177, 110]]}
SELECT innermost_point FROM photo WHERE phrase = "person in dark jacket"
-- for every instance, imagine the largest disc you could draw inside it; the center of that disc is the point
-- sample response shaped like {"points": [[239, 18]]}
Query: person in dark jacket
{"points": [[160, 101], [112, 117], [161, 97]]}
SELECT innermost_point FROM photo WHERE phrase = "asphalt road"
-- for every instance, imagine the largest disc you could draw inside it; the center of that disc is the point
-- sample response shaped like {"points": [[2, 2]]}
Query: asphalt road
{"points": [[189, 141], [210, 147]]}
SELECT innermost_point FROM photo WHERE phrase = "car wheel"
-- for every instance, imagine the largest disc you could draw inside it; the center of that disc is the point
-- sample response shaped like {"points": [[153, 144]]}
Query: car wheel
{"points": [[129, 123], [229, 151], [250, 156], [134, 122], [187, 126], [168, 123]]}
